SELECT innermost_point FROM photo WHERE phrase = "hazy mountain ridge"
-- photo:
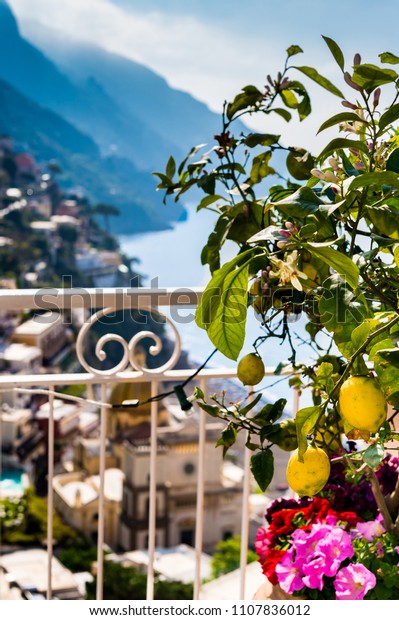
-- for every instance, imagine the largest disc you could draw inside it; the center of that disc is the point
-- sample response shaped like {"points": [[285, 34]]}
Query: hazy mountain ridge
{"points": [[48, 136], [33, 88], [174, 115]]}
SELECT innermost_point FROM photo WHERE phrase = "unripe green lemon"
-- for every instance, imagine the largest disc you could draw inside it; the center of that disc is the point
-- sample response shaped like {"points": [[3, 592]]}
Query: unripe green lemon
{"points": [[308, 478], [251, 369], [284, 435], [362, 404]]}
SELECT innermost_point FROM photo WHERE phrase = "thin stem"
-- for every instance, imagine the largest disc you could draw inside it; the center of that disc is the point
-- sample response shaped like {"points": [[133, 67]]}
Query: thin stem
{"points": [[380, 500]]}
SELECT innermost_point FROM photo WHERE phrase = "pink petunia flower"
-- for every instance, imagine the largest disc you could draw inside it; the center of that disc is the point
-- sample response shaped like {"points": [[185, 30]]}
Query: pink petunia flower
{"points": [[371, 529], [353, 582], [289, 574], [313, 573], [335, 548]]}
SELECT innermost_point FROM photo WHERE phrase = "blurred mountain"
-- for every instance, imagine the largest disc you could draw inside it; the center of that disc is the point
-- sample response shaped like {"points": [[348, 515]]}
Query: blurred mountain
{"points": [[114, 180], [140, 93]]}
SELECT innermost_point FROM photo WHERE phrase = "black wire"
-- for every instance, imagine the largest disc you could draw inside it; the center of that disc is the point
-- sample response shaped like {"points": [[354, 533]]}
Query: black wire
{"points": [[164, 394]]}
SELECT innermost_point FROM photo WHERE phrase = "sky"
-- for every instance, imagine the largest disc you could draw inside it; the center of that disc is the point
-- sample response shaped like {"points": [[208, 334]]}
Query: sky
{"points": [[211, 48]]}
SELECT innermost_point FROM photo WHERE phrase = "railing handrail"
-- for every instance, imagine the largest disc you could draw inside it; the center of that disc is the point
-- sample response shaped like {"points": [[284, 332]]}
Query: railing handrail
{"points": [[117, 298]]}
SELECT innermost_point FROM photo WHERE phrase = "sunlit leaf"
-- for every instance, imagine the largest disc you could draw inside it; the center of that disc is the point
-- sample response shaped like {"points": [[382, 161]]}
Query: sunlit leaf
{"points": [[335, 51], [305, 421], [314, 75], [341, 118]]}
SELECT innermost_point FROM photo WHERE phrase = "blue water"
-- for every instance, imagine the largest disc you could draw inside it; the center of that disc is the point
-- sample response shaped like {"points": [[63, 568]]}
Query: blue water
{"points": [[172, 259], [11, 481]]}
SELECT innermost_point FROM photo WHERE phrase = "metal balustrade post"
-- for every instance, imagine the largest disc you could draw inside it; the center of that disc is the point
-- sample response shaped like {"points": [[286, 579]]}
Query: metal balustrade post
{"points": [[245, 516], [199, 518], [50, 493], [101, 497], [152, 516]]}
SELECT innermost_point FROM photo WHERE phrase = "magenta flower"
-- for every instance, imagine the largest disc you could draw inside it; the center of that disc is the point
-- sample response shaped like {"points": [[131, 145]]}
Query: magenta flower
{"points": [[305, 543], [335, 547], [313, 573], [353, 582], [288, 574], [371, 529]]}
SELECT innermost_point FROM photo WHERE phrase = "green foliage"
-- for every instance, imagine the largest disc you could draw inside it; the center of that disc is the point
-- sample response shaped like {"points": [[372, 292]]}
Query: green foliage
{"points": [[227, 557], [122, 583], [79, 555], [322, 242], [24, 521]]}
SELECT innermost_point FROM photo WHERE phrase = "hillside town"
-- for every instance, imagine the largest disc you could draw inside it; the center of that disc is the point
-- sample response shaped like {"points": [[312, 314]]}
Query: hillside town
{"points": [[49, 237]]}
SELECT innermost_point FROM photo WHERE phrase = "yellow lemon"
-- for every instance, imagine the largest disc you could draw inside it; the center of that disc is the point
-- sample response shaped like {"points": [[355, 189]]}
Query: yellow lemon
{"points": [[251, 369], [362, 404], [309, 477]]}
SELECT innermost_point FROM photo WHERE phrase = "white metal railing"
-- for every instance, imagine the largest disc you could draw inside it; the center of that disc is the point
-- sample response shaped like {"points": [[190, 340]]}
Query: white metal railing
{"points": [[128, 370]]}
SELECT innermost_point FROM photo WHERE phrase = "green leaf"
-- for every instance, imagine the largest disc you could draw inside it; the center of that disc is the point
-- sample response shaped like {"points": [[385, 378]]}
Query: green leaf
{"points": [[289, 98], [262, 468], [305, 421], [210, 254], [227, 438], [247, 98], [171, 167], [342, 143], [396, 255], [300, 163], [212, 410], [370, 77], [293, 50], [207, 183], [389, 58], [341, 118], [251, 405], [385, 219], [270, 412], [387, 372], [324, 376], [260, 167], [335, 51], [393, 161], [341, 263], [374, 455], [208, 200], [314, 75], [198, 394], [211, 297], [227, 330], [375, 178], [261, 139], [390, 116], [340, 312], [300, 204], [283, 113]]}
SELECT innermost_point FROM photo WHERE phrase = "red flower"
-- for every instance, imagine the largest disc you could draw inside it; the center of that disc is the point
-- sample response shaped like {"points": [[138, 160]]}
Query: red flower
{"points": [[273, 557]]}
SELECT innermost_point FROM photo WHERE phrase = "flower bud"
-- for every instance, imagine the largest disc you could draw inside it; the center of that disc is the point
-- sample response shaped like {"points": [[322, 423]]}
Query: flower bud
{"points": [[376, 99], [281, 244], [333, 161], [351, 83], [317, 173], [348, 104], [359, 165], [330, 177], [357, 59], [284, 233]]}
